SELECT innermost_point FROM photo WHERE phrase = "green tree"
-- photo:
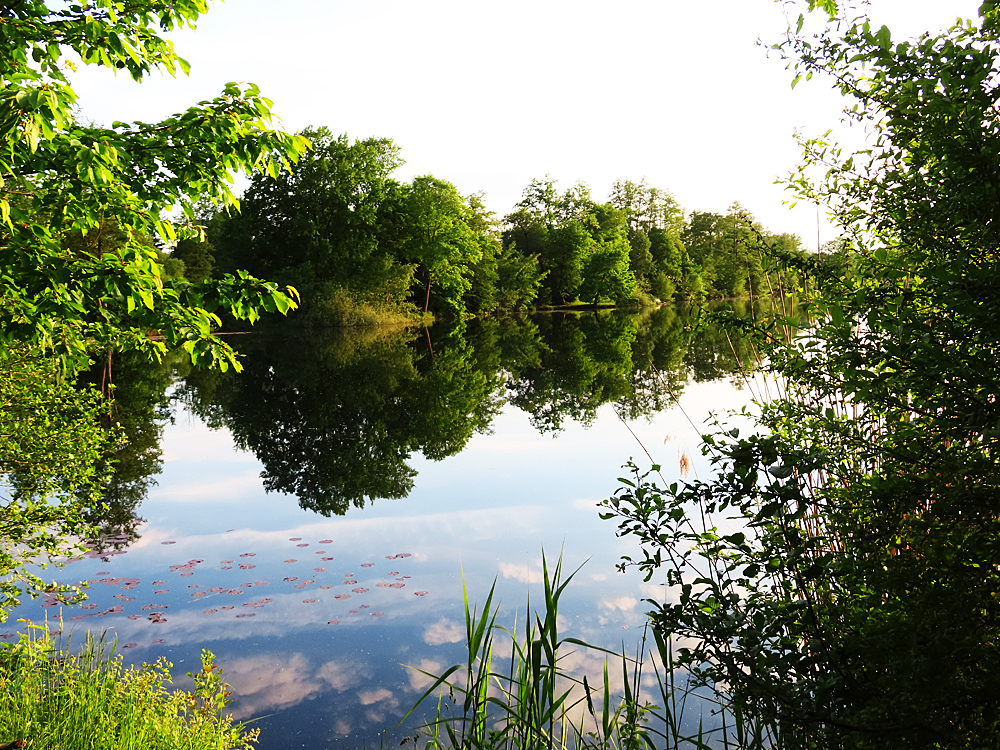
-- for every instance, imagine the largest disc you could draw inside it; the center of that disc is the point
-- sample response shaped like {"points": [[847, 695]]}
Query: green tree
{"points": [[82, 208], [432, 228], [50, 454], [647, 207], [655, 222], [61, 177], [606, 272], [519, 279], [543, 202], [726, 248], [558, 229], [563, 257], [670, 264], [198, 259], [540, 200], [641, 259], [504, 280], [318, 226], [170, 268], [483, 296], [860, 608]]}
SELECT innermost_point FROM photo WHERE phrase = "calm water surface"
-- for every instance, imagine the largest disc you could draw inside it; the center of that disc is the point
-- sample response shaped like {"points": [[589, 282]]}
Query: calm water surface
{"points": [[313, 519]]}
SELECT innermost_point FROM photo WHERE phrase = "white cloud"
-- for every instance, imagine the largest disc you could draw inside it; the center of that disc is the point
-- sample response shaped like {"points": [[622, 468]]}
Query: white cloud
{"points": [[234, 488], [420, 681], [200, 443], [268, 683], [503, 644], [368, 697], [383, 703], [521, 572], [343, 675], [444, 631], [623, 603], [659, 592]]}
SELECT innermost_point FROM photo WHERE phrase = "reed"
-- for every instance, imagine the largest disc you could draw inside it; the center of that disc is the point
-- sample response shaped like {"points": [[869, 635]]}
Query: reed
{"points": [[524, 699], [54, 699]]}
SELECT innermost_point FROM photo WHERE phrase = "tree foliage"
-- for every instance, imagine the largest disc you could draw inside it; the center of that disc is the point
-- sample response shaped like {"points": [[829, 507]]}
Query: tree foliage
{"points": [[83, 211], [639, 245], [432, 228], [343, 229], [857, 604], [354, 239], [49, 449], [335, 416], [197, 259], [581, 245], [60, 177]]}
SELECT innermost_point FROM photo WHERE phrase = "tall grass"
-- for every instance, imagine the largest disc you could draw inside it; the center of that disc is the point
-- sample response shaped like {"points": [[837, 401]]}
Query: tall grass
{"points": [[524, 698], [54, 699]]}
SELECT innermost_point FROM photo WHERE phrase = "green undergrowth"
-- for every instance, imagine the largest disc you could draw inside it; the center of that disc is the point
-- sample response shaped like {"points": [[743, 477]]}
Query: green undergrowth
{"points": [[52, 698]]}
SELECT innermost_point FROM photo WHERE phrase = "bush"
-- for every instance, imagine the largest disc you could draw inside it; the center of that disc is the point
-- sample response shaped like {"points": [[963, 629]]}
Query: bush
{"points": [[855, 600], [55, 699]]}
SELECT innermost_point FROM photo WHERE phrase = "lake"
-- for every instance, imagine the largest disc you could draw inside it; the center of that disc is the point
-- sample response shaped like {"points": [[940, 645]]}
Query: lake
{"points": [[312, 520]]}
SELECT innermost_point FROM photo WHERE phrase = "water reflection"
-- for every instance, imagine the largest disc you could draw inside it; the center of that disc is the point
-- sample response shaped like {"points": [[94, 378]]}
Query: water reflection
{"points": [[138, 411], [329, 418], [641, 363], [336, 416]]}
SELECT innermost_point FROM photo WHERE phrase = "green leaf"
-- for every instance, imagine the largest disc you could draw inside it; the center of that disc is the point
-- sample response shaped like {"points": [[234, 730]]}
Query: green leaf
{"points": [[781, 472], [884, 38]]}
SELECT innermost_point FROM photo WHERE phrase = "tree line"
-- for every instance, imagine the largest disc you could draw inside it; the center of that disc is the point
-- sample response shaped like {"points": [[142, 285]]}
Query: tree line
{"points": [[361, 246]]}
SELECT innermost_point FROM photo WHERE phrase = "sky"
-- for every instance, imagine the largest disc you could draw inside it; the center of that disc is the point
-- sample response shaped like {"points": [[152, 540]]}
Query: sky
{"points": [[491, 95]]}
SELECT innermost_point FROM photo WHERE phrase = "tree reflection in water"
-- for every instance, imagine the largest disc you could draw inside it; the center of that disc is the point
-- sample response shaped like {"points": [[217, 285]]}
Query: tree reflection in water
{"points": [[334, 416]]}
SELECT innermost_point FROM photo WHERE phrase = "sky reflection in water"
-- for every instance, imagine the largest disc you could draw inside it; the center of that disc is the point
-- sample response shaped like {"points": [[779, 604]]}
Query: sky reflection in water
{"points": [[314, 638]]}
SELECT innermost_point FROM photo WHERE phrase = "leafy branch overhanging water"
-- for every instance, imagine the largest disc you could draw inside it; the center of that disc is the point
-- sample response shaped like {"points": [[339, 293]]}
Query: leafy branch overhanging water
{"points": [[853, 598]]}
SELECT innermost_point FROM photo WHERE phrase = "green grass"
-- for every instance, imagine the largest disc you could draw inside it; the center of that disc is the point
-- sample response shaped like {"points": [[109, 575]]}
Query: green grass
{"points": [[55, 699], [524, 698]]}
